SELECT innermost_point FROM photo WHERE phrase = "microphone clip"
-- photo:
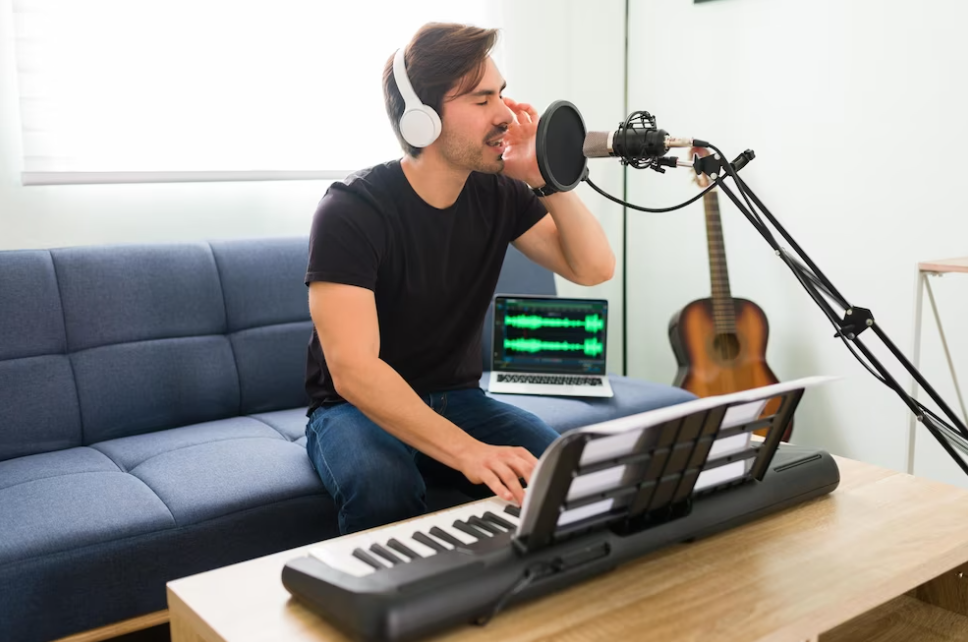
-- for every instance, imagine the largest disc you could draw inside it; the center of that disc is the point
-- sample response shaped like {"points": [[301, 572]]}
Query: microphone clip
{"points": [[713, 164], [642, 122]]}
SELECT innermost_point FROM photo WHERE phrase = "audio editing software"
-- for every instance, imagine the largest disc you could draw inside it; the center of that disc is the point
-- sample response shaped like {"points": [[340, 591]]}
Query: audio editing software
{"points": [[550, 335]]}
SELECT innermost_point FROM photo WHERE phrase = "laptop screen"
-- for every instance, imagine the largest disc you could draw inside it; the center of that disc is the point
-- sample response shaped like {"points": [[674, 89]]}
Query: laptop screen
{"points": [[547, 334]]}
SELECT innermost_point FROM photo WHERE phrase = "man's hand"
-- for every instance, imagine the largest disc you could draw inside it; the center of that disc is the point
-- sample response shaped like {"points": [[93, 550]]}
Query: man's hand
{"points": [[520, 160], [499, 467]]}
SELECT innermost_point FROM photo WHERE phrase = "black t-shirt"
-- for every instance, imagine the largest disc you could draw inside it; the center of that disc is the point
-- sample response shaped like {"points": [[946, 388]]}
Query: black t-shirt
{"points": [[433, 271]]}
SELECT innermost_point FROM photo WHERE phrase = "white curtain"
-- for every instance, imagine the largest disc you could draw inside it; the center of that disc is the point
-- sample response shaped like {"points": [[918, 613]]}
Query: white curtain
{"points": [[211, 89]]}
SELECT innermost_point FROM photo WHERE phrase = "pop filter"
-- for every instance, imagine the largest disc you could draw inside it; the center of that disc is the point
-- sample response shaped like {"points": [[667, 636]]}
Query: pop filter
{"points": [[558, 146]]}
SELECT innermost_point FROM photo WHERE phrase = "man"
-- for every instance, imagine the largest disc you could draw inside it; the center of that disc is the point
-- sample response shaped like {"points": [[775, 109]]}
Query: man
{"points": [[404, 260]]}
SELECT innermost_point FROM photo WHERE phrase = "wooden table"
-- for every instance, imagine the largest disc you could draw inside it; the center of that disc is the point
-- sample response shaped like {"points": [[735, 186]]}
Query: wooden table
{"points": [[926, 269], [844, 567]]}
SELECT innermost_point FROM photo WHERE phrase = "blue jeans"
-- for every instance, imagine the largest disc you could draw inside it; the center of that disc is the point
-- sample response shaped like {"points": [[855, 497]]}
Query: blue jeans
{"points": [[375, 478]]}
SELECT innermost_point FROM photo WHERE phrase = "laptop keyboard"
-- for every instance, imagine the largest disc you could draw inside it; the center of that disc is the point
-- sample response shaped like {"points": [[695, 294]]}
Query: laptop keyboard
{"points": [[560, 380]]}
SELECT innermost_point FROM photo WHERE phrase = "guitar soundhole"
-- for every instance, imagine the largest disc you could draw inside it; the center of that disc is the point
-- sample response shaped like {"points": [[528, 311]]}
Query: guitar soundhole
{"points": [[726, 346]]}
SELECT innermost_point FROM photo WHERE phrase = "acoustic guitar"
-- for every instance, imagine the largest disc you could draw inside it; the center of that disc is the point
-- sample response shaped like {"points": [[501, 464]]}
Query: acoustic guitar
{"points": [[720, 342]]}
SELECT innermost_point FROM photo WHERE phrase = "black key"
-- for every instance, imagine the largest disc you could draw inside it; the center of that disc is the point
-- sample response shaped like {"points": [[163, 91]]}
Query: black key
{"points": [[387, 555], [511, 509], [474, 520], [362, 555], [429, 541], [470, 530], [444, 536], [500, 521], [399, 547]]}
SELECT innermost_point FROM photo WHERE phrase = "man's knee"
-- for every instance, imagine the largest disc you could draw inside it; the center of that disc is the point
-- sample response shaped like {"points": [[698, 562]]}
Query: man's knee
{"points": [[375, 495], [370, 474]]}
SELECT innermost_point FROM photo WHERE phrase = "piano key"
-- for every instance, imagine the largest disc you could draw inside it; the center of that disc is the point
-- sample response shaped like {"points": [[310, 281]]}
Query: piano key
{"points": [[387, 555], [470, 530], [446, 536], [426, 540], [362, 555], [399, 547], [511, 509], [341, 560], [480, 524], [419, 547], [494, 519], [338, 552]]}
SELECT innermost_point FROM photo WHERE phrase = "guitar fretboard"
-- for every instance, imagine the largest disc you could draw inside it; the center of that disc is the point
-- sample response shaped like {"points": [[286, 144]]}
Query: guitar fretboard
{"points": [[724, 314]]}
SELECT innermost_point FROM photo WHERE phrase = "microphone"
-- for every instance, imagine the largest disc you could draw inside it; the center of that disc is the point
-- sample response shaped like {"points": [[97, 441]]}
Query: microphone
{"points": [[632, 144], [563, 147]]}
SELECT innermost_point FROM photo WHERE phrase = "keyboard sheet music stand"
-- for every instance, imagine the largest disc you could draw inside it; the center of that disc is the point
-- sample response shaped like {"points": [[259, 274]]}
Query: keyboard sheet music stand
{"points": [[630, 473]]}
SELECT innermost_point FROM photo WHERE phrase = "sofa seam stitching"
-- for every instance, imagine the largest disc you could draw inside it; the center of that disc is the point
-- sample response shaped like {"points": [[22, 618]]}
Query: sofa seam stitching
{"points": [[226, 333], [67, 346], [204, 443]]}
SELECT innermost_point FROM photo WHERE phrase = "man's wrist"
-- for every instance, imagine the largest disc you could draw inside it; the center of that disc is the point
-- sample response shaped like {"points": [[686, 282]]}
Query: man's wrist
{"points": [[544, 190]]}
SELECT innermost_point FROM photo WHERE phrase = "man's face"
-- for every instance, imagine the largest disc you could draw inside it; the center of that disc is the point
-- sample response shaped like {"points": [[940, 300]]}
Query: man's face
{"points": [[473, 125]]}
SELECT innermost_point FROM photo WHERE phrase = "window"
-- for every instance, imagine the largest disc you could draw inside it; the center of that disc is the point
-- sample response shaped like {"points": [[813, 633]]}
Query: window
{"points": [[122, 90]]}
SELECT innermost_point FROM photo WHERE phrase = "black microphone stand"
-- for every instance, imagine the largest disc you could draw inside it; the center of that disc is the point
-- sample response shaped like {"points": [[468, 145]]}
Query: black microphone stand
{"points": [[854, 320]]}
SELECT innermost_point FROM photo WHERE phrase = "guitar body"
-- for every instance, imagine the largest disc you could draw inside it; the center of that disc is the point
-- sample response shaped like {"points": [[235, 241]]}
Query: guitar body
{"points": [[716, 363], [713, 364]]}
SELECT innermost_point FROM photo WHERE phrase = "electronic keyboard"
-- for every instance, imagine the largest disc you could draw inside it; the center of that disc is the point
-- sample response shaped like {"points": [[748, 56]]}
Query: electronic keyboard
{"points": [[415, 578]]}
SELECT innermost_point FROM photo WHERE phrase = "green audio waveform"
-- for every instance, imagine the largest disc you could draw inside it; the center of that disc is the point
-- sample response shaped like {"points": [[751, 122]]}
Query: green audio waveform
{"points": [[592, 323], [592, 347]]}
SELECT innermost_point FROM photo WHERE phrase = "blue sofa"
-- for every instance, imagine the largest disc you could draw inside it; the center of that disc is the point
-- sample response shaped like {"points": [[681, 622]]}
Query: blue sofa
{"points": [[152, 419]]}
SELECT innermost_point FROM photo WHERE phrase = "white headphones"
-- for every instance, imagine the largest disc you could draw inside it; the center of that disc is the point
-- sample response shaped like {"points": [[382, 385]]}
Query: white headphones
{"points": [[420, 124]]}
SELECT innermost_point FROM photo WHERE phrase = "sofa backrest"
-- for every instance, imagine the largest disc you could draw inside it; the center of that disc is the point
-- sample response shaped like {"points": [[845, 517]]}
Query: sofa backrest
{"points": [[104, 342], [109, 341]]}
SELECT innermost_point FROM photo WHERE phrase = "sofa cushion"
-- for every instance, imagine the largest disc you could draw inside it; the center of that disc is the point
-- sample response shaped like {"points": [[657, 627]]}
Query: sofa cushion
{"points": [[267, 314], [214, 479], [632, 396], [289, 423], [38, 406], [119, 294], [263, 281], [69, 499], [38, 402], [135, 388], [31, 308], [128, 453], [264, 357]]}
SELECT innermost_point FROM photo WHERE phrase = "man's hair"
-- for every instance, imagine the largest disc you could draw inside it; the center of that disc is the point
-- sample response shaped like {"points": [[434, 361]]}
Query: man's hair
{"points": [[438, 57]]}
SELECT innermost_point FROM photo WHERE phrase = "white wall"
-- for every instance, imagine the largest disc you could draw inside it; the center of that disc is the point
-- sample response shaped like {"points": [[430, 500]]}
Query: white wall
{"points": [[854, 110], [547, 56], [575, 50]]}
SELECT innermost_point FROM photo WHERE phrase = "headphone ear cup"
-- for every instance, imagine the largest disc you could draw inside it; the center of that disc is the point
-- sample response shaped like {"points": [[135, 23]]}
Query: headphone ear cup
{"points": [[420, 126]]}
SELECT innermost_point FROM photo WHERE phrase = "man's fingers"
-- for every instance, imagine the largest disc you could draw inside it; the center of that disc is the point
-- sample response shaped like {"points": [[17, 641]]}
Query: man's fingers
{"points": [[524, 467], [531, 111], [510, 479], [494, 483]]}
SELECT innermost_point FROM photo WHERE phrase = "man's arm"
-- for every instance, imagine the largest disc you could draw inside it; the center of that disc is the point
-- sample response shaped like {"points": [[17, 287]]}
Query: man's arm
{"points": [[346, 322], [569, 241]]}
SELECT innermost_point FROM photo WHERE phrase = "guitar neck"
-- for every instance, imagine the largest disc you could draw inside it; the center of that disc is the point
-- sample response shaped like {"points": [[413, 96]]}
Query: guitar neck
{"points": [[723, 310]]}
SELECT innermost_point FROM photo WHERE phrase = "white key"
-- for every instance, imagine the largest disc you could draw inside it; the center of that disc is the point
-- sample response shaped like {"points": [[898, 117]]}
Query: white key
{"points": [[341, 560], [338, 552]]}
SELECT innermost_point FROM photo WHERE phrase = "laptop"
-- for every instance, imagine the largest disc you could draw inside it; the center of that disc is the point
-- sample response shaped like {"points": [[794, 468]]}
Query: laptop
{"points": [[545, 345]]}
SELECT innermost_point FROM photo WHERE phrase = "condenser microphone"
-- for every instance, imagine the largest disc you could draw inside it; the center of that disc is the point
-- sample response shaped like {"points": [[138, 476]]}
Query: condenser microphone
{"points": [[563, 147], [629, 143]]}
